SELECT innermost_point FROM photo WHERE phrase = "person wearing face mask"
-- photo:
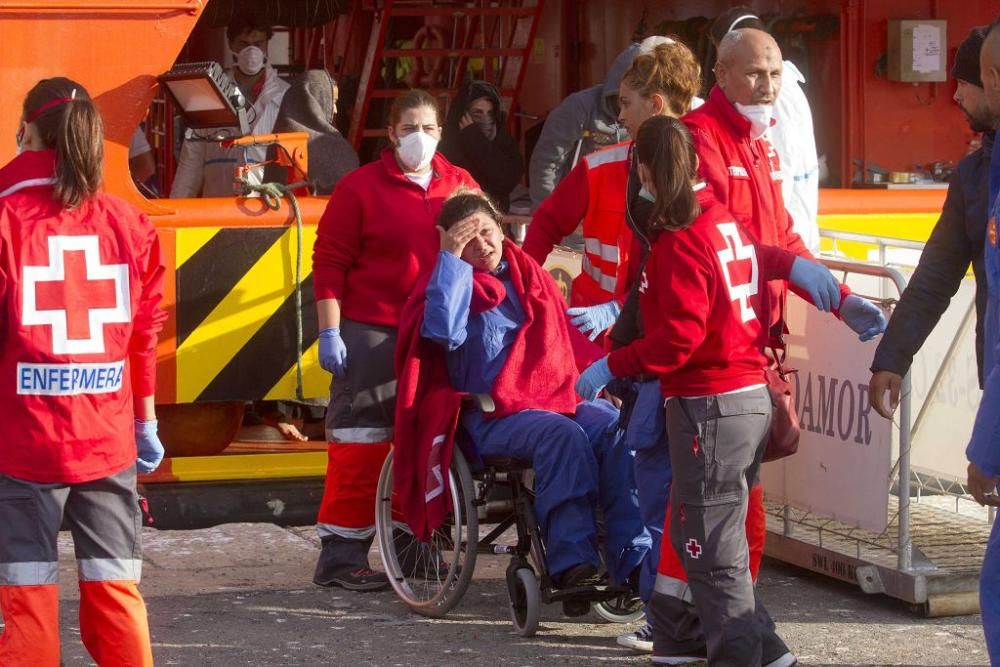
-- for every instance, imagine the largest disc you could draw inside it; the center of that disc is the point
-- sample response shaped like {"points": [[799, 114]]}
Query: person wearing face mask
{"points": [[738, 163], [375, 238], [594, 192], [498, 319], [475, 137], [792, 133], [204, 168], [703, 340]]}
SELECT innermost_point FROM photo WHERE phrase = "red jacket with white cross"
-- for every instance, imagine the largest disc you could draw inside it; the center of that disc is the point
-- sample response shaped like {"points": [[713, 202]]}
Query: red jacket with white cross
{"points": [[79, 314], [746, 176], [700, 299]]}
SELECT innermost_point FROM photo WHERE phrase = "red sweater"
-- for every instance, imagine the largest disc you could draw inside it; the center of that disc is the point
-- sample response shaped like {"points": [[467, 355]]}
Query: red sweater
{"points": [[746, 176], [377, 236], [79, 315], [700, 297]]}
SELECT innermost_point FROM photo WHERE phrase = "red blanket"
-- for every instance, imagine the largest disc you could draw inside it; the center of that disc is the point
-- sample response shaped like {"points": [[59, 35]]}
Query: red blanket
{"points": [[536, 376]]}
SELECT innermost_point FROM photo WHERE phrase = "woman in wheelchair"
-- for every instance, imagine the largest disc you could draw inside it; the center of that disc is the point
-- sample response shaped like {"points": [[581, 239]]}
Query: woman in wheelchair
{"points": [[499, 317]]}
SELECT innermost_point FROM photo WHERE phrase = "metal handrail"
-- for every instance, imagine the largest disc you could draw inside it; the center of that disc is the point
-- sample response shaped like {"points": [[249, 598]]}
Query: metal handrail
{"points": [[881, 241], [905, 544]]}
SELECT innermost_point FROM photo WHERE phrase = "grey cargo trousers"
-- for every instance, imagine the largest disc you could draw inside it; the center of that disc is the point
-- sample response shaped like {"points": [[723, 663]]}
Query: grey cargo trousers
{"points": [[716, 446]]}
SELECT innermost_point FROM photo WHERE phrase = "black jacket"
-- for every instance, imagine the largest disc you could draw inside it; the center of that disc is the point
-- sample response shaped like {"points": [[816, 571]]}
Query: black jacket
{"points": [[496, 165], [956, 241]]}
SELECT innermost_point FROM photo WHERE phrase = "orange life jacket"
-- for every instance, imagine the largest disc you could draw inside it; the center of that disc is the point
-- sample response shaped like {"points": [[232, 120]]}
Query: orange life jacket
{"points": [[606, 237]]}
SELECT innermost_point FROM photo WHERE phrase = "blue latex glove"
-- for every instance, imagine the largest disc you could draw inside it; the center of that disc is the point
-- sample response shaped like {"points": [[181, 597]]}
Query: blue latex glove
{"points": [[332, 352], [863, 316], [148, 444], [593, 379], [593, 320], [816, 279]]}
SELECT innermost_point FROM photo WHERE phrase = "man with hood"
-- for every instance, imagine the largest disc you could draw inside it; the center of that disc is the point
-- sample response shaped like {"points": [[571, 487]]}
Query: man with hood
{"points": [[475, 138], [205, 169], [584, 122], [310, 106], [957, 241]]}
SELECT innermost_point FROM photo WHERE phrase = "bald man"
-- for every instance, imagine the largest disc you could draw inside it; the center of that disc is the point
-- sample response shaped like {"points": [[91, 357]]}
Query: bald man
{"points": [[736, 159], [983, 451]]}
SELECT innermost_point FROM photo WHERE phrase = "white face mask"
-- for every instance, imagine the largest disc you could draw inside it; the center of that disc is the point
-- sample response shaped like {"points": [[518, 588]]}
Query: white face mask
{"points": [[646, 194], [416, 149], [251, 60], [759, 115]]}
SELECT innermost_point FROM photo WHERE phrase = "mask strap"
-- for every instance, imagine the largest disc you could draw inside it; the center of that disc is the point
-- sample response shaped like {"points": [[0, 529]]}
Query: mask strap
{"points": [[735, 23]]}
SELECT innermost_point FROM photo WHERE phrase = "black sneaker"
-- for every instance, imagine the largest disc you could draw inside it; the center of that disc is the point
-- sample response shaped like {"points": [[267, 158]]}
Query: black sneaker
{"points": [[361, 579]]}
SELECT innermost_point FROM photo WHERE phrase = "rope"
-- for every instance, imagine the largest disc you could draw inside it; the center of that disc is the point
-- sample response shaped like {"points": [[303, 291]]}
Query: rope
{"points": [[272, 194]]}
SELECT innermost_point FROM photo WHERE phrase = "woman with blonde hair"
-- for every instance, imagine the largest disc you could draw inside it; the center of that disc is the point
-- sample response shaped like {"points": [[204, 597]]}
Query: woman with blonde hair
{"points": [[662, 81]]}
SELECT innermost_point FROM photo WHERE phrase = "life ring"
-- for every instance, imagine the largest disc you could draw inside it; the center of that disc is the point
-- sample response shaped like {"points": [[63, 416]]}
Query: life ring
{"points": [[427, 70]]}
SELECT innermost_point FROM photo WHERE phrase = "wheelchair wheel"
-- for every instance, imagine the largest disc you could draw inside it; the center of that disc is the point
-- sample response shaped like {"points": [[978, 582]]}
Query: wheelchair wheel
{"points": [[439, 572], [525, 601], [623, 609]]}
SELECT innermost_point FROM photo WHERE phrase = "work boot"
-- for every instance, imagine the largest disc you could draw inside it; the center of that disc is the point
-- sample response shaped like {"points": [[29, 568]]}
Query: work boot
{"points": [[416, 558], [344, 562]]}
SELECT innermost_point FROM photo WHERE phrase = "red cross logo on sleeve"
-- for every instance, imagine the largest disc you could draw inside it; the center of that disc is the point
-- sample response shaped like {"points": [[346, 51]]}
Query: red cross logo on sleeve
{"points": [[739, 290], [76, 295], [693, 548]]}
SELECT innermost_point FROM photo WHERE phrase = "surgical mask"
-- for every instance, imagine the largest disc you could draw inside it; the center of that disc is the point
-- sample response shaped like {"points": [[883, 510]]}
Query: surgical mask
{"points": [[251, 60], [415, 150], [759, 115], [647, 195]]}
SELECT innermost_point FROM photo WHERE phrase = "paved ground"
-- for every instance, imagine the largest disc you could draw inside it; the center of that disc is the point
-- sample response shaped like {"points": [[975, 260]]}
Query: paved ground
{"points": [[240, 595]]}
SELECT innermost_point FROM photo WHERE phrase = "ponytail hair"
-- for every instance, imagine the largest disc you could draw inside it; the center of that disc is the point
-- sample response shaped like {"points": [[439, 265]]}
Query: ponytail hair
{"points": [[664, 147], [67, 121], [669, 70]]}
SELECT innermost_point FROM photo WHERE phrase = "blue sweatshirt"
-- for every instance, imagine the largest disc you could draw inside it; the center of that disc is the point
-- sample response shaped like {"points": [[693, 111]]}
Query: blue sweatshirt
{"points": [[984, 447], [477, 345]]}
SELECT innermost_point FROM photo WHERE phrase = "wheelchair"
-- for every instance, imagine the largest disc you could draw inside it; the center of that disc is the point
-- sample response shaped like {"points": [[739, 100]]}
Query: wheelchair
{"points": [[439, 573]]}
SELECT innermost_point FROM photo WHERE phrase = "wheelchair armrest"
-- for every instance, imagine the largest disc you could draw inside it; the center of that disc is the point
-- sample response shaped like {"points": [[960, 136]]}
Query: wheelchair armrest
{"points": [[482, 401]]}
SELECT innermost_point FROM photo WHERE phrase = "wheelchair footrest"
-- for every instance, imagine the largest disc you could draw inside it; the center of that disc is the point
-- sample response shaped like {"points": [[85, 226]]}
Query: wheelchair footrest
{"points": [[588, 593]]}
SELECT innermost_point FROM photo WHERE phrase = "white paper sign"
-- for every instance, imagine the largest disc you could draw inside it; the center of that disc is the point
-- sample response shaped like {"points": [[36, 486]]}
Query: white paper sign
{"points": [[926, 48], [842, 467]]}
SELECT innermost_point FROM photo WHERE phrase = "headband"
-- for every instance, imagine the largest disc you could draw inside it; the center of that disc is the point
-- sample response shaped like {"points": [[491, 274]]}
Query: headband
{"points": [[735, 23], [42, 108]]}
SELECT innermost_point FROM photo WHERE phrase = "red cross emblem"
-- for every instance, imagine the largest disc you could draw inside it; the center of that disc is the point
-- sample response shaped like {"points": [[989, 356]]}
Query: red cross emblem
{"points": [[693, 548], [76, 295], [741, 284]]}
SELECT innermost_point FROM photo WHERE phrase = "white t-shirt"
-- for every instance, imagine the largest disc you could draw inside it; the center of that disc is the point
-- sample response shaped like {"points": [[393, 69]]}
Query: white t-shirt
{"points": [[138, 144], [423, 180]]}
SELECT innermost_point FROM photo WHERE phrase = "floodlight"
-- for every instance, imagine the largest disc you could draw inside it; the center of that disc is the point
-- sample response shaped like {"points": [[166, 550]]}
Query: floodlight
{"points": [[206, 96]]}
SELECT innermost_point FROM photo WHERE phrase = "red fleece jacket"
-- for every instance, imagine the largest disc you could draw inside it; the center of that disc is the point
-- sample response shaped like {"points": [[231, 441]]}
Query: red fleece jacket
{"points": [[376, 237], [746, 176], [80, 312], [700, 296], [535, 376]]}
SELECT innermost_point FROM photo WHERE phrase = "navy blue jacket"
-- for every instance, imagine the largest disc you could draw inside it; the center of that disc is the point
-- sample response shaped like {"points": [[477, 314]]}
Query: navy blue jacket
{"points": [[956, 241]]}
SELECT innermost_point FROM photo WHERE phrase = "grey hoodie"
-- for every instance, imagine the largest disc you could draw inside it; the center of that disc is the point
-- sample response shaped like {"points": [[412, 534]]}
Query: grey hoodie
{"points": [[584, 122]]}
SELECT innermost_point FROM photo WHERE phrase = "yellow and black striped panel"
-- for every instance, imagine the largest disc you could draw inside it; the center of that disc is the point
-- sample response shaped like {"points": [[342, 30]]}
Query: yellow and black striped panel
{"points": [[236, 316]]}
